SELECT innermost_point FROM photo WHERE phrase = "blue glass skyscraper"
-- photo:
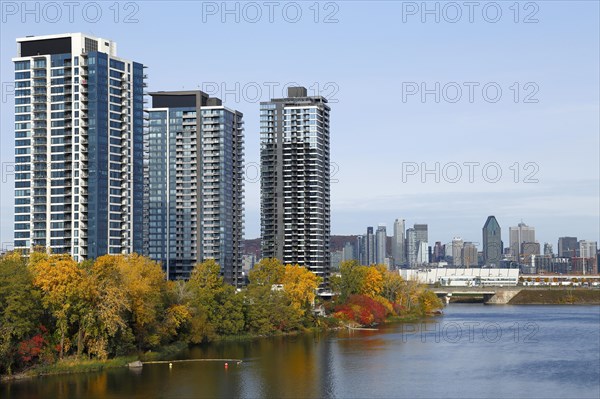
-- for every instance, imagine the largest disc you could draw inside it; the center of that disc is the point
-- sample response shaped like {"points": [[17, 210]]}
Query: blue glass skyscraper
{"points": [[79, 116], [195, 150]]}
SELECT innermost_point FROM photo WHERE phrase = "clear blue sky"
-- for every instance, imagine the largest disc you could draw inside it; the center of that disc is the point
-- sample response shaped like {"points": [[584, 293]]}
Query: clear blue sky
{"points": [[365, 62]]}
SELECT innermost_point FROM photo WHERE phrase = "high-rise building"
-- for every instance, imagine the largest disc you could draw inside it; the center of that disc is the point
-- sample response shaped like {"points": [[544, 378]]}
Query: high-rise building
{"points": [[517, 237], [380, 245], [567, 247], [398, 250], [411, 247], [421, 232], [79, 116], [422, 253], [370, 247], [349, 252], [469, 254], [195, 205], [438, 252], [295, 184], [336, 259], [492, 242], [529, 248], [361, 250], [457, 252], [588, 249], [548, 249]]}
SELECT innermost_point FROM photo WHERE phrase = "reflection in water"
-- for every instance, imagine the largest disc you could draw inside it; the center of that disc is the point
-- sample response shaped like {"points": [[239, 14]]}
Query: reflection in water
{"points": [[415, 360]]}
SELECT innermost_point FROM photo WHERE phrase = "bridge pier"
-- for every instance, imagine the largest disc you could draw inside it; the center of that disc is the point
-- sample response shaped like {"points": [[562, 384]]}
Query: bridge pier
{"points": [[447, 297]]}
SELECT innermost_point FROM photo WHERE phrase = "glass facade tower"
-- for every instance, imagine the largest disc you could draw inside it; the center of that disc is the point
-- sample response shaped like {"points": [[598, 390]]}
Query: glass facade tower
{"points": [[194, 167], [78, 147]]}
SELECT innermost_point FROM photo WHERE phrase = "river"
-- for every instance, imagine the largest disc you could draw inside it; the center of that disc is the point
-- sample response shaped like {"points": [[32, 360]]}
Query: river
{"points": [[472, 351]]}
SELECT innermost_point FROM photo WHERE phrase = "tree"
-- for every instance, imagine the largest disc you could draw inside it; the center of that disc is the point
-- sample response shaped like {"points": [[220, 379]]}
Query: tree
{"points": [[20, 307], [109, 307], [267, 272], [372, 283], [392, 287], [301, 285], [352, 277], [144, 284], [65, 292], [216, 308]]}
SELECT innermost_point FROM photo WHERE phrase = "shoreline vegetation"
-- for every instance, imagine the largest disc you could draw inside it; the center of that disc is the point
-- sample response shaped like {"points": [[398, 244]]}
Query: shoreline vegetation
{"points": [[59, 316], [554, 296]]}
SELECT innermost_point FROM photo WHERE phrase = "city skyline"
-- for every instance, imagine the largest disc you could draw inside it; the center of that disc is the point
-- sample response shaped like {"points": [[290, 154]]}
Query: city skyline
{"points": [[558, 133]]}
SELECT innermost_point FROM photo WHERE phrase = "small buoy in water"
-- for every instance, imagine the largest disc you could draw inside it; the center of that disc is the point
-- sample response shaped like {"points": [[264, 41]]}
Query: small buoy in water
{"points": [[170, 365]]}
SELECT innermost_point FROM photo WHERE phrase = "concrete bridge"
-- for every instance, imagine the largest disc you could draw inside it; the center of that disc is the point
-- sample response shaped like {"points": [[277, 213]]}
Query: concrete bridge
{"points": [[489, 295]]}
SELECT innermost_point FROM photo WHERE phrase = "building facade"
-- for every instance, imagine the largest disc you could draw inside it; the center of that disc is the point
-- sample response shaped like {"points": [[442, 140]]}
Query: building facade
{"points": [[492, 242], [295, 180], [79, 119], [457, 252], [195, 206], [398, 248], [469, 255], [519, 235], [411, 247], [380, 245], [568, 247]]}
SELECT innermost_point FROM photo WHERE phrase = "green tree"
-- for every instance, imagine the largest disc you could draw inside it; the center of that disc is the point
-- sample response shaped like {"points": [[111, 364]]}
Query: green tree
{"points": [[216, 307], [20, 307], [267, 272]]}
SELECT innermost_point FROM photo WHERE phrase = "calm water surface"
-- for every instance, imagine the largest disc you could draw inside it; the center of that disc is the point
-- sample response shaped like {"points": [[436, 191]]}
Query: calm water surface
{"points": [[473, 351]]}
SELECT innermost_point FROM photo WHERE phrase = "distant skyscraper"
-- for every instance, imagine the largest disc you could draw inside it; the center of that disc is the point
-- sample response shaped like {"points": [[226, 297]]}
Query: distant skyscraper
{"points": [[361, 249], [492, 242], [79, 115], [529, 248], [349, 252], [398, 250], [548, 249], [411, 247], [519, 235], [421, 232], [438, 252], [380, 245], [336, 259], [295, 184], [422, 253], [469, 255], [567, 247], [588, 249], [194, 201], [370, 246], [457, 255]]}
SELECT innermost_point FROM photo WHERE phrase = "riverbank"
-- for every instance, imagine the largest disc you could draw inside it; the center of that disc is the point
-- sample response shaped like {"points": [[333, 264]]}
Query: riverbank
{"points": [[565, 296], [70, 365]]}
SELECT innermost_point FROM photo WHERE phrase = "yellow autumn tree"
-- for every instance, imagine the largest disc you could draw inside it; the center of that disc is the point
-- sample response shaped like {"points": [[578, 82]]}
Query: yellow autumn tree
{"points": [[300, 284], [372, 284], [145, 283], [65, 290]]}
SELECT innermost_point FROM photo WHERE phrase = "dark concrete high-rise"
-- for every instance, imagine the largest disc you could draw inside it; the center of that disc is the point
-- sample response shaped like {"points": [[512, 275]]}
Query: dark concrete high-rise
{"points": [[492, 242], [295, 180], [568, 247], [195, 202]]}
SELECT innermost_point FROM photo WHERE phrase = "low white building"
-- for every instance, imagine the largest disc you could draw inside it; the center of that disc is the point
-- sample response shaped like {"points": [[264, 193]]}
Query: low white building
{"points": [[463, 277]]}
